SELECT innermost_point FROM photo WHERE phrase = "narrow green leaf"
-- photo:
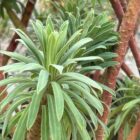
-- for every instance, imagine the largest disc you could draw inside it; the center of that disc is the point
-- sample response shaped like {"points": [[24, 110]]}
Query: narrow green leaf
{"points": [[59, 68], [11, 109], [94, 101], [34, 109], [108, 55], [87, 107], [20, 132], [90, 68], [54, 124], [83, 79], [89, 58], [42, 81], [66, 46], [12, 67], [75, 47], [14, 80], [17, 56], [111, 91], [27, 42], [131, 104], [13, 122], [44, 125], [107, 64], [62, 36], [31, 66], [17, 91], [59, 100], [78, 116]]}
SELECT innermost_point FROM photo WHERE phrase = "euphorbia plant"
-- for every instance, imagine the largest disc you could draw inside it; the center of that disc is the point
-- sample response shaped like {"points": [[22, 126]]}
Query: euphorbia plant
{"points": [[127, 104], [50, 99]]}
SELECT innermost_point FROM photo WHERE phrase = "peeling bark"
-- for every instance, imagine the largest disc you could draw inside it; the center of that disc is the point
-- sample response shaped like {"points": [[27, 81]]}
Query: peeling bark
{"points": [[126, 31]]}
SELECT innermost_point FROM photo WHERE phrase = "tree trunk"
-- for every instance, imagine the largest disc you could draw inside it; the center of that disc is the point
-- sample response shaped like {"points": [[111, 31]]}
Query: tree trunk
{"points": [[34, 133], [124, 4], [135, 131], [126, 31], [119, 11]]}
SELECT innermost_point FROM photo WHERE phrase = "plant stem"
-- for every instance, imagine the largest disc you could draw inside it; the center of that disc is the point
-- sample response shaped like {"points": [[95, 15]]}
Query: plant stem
{"points": [[127, 70], [34, 133], [96, 75], [133, 45], [25, 19], [135, 131], [126, 31], [124, 4], [15, 20], [120, 134]]}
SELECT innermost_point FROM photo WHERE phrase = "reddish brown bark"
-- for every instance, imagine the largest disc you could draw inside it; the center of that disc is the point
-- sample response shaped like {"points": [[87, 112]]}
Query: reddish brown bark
{"points": [[119, 11], [25, 19], [120, 134], [124, 4], [34, 133], [135, 131], [96, 75], [127, 70], [135, 51], [126, 31]]}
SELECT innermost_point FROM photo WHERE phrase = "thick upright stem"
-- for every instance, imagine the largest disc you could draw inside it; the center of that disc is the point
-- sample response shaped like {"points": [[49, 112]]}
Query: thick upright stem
{"points": [[25, 19], [34, 133], [126, 31], [119, 10], [124, 4], [96, 75], [135, 131], [120, 134]]}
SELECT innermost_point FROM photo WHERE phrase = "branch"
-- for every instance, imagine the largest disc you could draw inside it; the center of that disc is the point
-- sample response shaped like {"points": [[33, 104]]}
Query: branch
{"points": [[127, 70], [25, 19], [126, 31], [133, 45], [15, 20]]}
